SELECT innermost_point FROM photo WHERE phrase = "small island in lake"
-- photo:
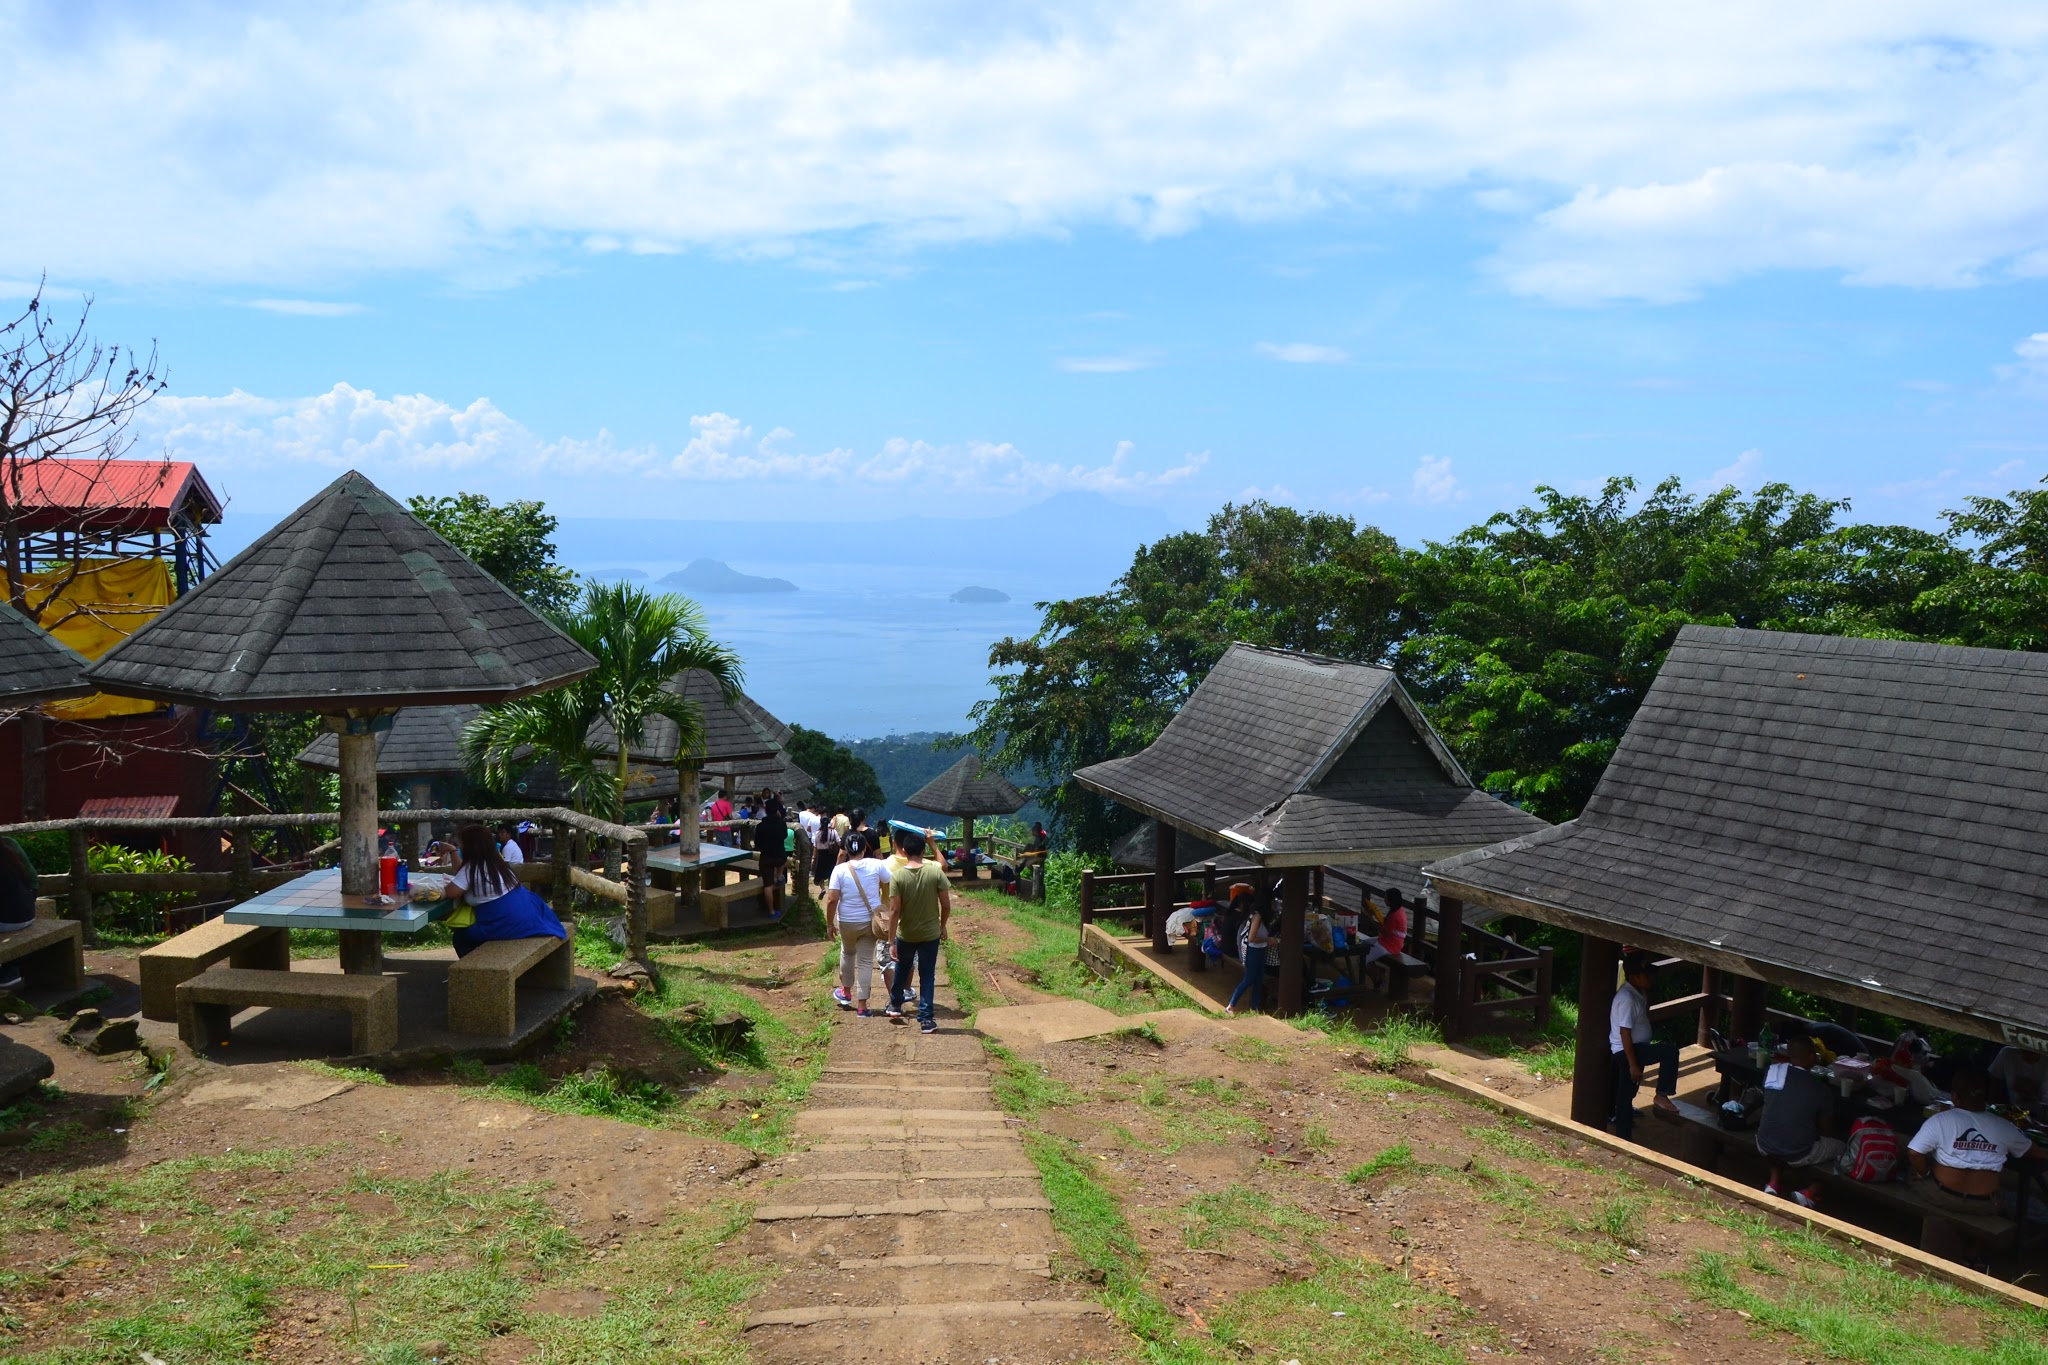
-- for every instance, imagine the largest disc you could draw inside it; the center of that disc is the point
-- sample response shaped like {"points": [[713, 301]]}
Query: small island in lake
{"points": [[715, 575], [972, 594]]}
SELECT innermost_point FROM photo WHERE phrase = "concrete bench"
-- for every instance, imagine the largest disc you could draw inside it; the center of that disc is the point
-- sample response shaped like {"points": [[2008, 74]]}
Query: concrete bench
{"points": [[716, 903], [1705, 1139], [483, 987], [208, 1003], [165, 965], [49, 954]]}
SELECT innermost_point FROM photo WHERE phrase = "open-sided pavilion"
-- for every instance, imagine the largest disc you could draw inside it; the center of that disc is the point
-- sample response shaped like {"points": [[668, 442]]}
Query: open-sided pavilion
{"points": [[1857, 819], [1294, 762]]}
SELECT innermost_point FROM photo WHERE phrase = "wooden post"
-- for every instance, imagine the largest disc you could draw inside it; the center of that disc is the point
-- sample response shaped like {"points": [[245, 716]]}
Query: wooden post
{"points": [[1592, 1062], [1160, 903], [1316, 894], [1746, 1007], [689, 807], [81, 883], [1546, 977], [559, 857], [34, 766], [636, 902], [410, 837], [1710, 988], [1293, 923], [1209, 881], [970, 872], [1450, 963], [800, 864], [242, 865], [1087, 895]]}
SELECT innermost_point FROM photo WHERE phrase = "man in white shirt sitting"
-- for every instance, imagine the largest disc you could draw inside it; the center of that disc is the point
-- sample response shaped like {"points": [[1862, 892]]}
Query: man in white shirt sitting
{"points": [[1628, 1039], [508, 845], [1964, 1148]]}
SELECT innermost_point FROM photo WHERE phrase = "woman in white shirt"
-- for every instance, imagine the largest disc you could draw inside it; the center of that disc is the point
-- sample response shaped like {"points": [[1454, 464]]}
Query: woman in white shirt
{"points": [[853, 904]]}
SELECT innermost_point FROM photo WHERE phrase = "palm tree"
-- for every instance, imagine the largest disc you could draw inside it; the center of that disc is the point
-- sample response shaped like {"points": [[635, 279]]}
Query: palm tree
{"points": [[641, 640]]}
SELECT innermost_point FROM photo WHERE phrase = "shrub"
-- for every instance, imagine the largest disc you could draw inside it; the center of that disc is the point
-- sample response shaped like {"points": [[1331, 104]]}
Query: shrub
{"points": [[135, 913]]}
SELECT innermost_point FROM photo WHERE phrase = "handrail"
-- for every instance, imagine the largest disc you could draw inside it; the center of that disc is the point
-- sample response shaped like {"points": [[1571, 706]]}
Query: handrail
{"points": [[97, 824]]}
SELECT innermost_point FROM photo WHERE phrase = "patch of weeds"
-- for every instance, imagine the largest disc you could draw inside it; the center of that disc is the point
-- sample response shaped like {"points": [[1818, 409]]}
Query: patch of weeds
{"points": [[1317, 1138], [694, 996], [1145, 1032], [669, 1295], [1089, 1217], [1378, 1084], [1548, 1055], [1049, 958], [1209, 1222], [1398, 1158], [1389, 1044], [357, 1075], [28, 1110], [596, 1093], [1619, 1219], [1348, 1311], [965, 976], [1515, 1138], [1246, 1048], [1025, 1088], [1506, 1188], [594, 946]]}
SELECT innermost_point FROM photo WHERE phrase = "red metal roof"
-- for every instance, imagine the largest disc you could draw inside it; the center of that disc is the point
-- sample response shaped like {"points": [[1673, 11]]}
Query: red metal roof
{"points": [[129, 808], [130, 495]]}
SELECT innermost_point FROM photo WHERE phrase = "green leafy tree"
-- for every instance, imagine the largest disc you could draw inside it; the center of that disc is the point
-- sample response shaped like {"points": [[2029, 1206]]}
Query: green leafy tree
{"points": [[846, 781], [2001, 595], [513, 542], [1103, 674], [640, 640], [1543, 628]]}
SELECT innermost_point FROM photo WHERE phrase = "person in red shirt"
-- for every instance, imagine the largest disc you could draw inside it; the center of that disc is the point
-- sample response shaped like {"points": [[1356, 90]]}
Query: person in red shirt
{"points": [[721, 810]]}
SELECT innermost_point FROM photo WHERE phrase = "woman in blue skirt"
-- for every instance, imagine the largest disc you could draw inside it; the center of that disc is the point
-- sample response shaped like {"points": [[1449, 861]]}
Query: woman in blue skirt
{"points": [[503, 908]]}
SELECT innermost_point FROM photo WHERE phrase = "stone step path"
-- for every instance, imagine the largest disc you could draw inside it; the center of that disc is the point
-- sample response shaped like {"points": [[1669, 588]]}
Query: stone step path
{"points": [[911, 1225]]}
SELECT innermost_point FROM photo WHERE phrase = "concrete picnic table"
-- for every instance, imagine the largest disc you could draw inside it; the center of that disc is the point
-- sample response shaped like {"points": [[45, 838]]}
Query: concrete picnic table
{"points": [[316, 901]]}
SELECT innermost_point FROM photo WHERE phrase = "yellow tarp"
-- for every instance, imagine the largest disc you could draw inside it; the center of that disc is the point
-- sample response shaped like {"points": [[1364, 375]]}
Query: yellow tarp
{"points": [[118, 597]]}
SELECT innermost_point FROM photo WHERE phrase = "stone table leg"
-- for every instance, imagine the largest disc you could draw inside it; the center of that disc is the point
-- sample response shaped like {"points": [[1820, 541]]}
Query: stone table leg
{"points": [[362, 952]]}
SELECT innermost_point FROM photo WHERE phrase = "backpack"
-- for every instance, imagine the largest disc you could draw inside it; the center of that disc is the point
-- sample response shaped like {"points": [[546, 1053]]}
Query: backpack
{"points": [[1872, 1153]]}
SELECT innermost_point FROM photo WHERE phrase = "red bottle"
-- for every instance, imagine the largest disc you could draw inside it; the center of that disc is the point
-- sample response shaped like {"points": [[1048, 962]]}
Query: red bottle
{"points": [[387, 874]]}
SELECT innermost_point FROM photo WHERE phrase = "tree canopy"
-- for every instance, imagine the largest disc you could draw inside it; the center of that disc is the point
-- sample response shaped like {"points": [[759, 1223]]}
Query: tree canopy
{"points": [[846, 781], [513, 542], [1529, 639]]}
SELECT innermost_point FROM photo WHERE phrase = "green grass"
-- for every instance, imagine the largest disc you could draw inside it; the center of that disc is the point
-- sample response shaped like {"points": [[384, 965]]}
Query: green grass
{"points": [[1845, 1305], [596, 1093], [1241, 1214], [1348, 1311], [1548, 1056], [1388, 1045], [1025, 1088], [359, 1075], [1619, 1219], [965, 974], [1051, 959], [1399, 1158], [210, 1263]]}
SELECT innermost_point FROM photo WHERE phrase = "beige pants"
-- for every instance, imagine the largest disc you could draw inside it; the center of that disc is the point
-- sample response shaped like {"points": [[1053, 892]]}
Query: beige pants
{"points": [[856, 958]]}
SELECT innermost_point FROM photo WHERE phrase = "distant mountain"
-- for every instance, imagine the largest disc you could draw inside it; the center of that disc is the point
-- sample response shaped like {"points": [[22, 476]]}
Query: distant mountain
{"points": [[715, 575], [973, 594]]}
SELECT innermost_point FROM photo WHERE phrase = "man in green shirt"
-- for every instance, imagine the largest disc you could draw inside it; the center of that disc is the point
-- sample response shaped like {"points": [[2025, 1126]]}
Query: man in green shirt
{"points": [[920, 904]]}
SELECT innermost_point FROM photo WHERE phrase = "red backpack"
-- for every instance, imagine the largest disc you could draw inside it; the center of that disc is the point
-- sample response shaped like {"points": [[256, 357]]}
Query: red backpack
{"points": [[1873, 1151]]}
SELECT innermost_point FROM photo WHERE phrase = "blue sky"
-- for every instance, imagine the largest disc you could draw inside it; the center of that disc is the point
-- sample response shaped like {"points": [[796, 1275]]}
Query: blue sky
{"points": [[821, 262]]}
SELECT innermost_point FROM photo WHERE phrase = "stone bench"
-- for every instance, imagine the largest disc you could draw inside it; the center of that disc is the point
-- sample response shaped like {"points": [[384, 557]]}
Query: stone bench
{"points": [[483, 987], [49, 954], [208, 1003], [165, 965], [716, 903]]}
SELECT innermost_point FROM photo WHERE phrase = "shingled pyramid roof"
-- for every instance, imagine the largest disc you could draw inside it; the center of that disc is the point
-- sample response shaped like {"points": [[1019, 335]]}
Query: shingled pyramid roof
{"points": [[1294, 760], [1860, 819], [967, 788], [423, 741], [740, 730], [34, 667], [350, 602]]}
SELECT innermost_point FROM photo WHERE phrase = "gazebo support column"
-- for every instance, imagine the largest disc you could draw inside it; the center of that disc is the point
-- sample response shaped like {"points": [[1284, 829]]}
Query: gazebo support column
{"points": [[969, 872], [1293, 922], [1450, 963], [362, 952], [1160, 903], [689, 804], [1747, 998], [1592, 1068]]}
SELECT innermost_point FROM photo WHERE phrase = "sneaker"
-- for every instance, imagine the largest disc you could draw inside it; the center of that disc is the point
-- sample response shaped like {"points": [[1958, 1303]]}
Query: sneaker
{"points": [[841, 998], [928, 1027], [1771, 1189], [1807, 1198], [894, 1011], [863, 1013]]}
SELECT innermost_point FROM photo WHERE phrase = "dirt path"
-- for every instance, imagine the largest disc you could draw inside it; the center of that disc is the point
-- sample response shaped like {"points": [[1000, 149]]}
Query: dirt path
{"points": [[911, 1226]]}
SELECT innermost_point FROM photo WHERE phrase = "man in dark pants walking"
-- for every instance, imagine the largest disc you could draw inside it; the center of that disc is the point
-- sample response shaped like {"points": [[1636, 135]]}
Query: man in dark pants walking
{"points": [[922, 902], [1628, 1038]]}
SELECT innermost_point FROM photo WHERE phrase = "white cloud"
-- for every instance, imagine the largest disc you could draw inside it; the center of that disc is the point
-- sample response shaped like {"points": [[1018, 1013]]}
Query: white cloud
{"points": [[1106, 364], [2032, 371], [1433, 481], [1365, 495], [1746, 473], [306, 308], [1302, 353], [416, 437], [1634, 151]]}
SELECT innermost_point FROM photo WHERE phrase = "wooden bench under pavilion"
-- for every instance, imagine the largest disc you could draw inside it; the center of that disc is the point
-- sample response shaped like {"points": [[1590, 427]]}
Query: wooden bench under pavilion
{"points": [[1294, 762], [1855, 819]]}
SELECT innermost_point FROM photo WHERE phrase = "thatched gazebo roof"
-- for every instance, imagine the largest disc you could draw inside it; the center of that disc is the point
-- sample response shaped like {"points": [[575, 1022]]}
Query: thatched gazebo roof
{"points": [[968, 788], [34, 667], [740, 730], [423, 741], [349, 604]]}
